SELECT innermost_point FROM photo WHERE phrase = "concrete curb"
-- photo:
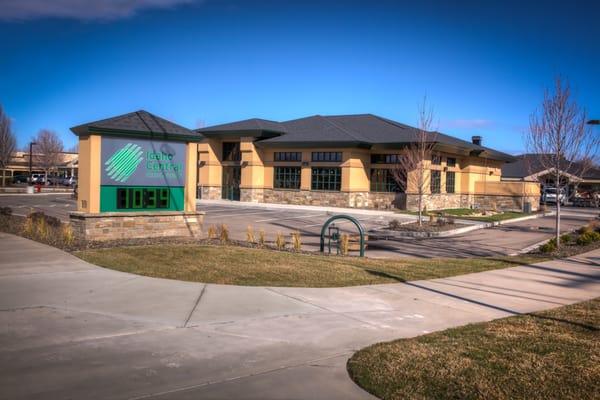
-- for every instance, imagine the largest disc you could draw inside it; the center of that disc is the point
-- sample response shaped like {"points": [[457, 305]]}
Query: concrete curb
{"points": [[472, 226], [35, 194], [332, 210]]}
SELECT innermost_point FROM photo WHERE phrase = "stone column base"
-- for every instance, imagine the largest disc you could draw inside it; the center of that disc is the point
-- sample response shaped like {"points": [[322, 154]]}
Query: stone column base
{"points": [[136, 225]]}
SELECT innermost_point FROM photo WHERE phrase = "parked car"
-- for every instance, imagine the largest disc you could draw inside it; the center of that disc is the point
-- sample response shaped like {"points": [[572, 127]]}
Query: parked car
{"points": [[550, 195], [38, 179], [69, 181], [54, 180], [20, 179]]}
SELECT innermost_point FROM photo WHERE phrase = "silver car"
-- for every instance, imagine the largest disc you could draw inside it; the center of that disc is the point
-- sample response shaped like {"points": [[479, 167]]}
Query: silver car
{"points": [[550, 196]]}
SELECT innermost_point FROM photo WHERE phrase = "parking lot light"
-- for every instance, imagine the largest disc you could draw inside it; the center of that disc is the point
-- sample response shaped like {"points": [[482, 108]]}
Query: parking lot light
{"points": [[30, 162]]}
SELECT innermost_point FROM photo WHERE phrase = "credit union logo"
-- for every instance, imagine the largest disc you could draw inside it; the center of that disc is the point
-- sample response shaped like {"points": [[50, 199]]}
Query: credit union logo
{"points": [[123, 163]]}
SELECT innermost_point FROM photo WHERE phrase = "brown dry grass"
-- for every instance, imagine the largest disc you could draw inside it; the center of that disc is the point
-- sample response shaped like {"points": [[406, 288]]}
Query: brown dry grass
{"points": [[263, 267]]}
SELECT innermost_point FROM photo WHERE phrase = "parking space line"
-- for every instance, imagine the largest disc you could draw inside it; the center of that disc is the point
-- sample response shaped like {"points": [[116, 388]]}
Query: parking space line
{"points": [[281, 219], [243, 214]]}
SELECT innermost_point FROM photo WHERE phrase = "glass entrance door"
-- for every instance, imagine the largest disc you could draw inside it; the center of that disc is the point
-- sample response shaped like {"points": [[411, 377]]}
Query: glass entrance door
{"points": [[231, 183]]}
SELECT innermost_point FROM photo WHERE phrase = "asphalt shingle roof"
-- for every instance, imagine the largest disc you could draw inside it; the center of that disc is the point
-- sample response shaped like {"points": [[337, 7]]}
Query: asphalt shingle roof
{"points": [[359, 129], [529, 164], [138, 121]]}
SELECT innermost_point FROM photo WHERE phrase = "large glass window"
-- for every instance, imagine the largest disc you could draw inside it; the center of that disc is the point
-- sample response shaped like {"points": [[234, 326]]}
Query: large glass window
{"points": [[435, 182], [450, 182], [382, 180], [231, 151], [326, 179], [385, 158], [451, 162], [288, 156], [436, 160], [327, 156], [287, 178]]}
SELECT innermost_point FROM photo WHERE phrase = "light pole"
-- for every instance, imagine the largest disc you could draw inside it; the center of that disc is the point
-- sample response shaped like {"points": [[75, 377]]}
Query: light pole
{"points": [[30, 162]]}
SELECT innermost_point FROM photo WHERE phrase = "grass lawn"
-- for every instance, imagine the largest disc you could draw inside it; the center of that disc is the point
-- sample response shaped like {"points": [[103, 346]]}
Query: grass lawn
{"points": [[259, 267], [548, 355]]}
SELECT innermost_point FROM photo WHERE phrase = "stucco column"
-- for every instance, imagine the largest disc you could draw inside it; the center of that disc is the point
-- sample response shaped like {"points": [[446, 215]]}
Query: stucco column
{"points": [[88, 189]]}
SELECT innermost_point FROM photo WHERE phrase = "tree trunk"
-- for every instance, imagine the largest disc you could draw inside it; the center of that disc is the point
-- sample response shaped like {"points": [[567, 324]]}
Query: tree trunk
{"points": [[558, 210], [420, 202]]}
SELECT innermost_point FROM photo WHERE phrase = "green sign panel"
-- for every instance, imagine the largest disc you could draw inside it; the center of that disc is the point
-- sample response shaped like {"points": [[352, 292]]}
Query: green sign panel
{"points": [[141, 175]]}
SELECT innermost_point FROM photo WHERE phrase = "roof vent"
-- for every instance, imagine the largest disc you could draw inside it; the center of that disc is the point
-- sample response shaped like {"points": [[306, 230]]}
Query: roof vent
{"points": [[476, 140]]}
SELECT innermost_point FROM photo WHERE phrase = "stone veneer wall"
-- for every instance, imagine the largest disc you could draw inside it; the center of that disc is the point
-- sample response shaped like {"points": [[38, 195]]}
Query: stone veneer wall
{"points": [[438, 201], [210, 192], [506, 203], [134, 225], [333, 199], [252, 195]]}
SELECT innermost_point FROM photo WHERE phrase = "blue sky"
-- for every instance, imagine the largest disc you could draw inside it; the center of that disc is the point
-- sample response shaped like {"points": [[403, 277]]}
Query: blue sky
{"points": [[483, 65]]}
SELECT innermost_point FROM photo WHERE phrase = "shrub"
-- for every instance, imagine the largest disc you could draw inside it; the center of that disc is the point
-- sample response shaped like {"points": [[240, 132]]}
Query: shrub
{"points": [[67, 235], [261, 238], [548, 247], [296, 241], [280, 241], [250, 235], [584, 229], [223, 234], [566, 238], [212, 232], [394, 224], [587, 238], [344, 244]]}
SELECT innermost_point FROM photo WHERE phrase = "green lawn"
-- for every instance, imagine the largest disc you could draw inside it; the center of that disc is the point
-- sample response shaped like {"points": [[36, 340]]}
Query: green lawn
{"points": [[260, 267], [548, 355]]}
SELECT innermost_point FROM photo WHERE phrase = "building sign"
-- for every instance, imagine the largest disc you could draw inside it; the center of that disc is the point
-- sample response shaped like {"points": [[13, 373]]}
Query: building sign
{"points": [[141, 175]]}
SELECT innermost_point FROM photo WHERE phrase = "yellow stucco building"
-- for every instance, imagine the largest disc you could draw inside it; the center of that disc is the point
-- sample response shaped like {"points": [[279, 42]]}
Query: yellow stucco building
{"points": [[348, 161]]}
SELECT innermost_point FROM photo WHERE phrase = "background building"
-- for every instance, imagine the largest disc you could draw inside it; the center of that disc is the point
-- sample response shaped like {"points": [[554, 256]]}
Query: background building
{"points": [[346, 161]]}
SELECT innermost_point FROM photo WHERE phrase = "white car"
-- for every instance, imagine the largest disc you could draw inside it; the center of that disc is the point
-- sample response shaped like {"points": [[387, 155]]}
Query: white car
{"points": [[549, 196]]}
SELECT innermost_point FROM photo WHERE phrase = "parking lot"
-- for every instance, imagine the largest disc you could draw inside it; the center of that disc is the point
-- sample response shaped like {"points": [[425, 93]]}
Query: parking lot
{"points": [[506, 239]]}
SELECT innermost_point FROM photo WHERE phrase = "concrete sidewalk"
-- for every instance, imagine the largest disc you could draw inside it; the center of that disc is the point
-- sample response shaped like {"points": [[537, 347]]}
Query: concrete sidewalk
{"points": [[72, 330]]}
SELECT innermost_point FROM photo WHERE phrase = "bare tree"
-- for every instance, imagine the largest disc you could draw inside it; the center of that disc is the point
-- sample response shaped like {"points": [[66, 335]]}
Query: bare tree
{"points": [[558, 136], [410, 170], [48, 151], [8, 143]]}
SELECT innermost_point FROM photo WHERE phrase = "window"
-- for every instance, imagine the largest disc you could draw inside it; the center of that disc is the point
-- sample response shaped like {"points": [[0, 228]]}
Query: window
{"points": [[326, 179], [287, 178], [450, 182], [327, 156], [288, 156], [385, 158], [451, 162], [436, 160], [382, 180], [435, 182], [231, 152]]}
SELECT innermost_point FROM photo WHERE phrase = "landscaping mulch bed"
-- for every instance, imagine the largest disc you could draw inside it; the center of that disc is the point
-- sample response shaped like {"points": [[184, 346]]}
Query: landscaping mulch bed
{"points": [[424, 227]]}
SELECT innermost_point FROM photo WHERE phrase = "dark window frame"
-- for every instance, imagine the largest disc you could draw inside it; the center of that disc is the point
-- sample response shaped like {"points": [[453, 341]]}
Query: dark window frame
{"points": [[234, 153], [287, 156], [326, 156], [382, 181], [385, 158], [451, 183], [435, 181], [326, 179], [287, 177], [451, 164], [436, 160]]}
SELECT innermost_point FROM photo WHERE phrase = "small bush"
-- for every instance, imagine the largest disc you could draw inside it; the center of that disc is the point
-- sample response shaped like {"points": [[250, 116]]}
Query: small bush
{"points": [[566, 238], [212, 232], [587, 238], [7, 211], [280, 241], [250, 235], [67, 234], [548, 247], [344, 244], [585, 229], [296, 241], [223, 234], [395, 224], [261, 238]]}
